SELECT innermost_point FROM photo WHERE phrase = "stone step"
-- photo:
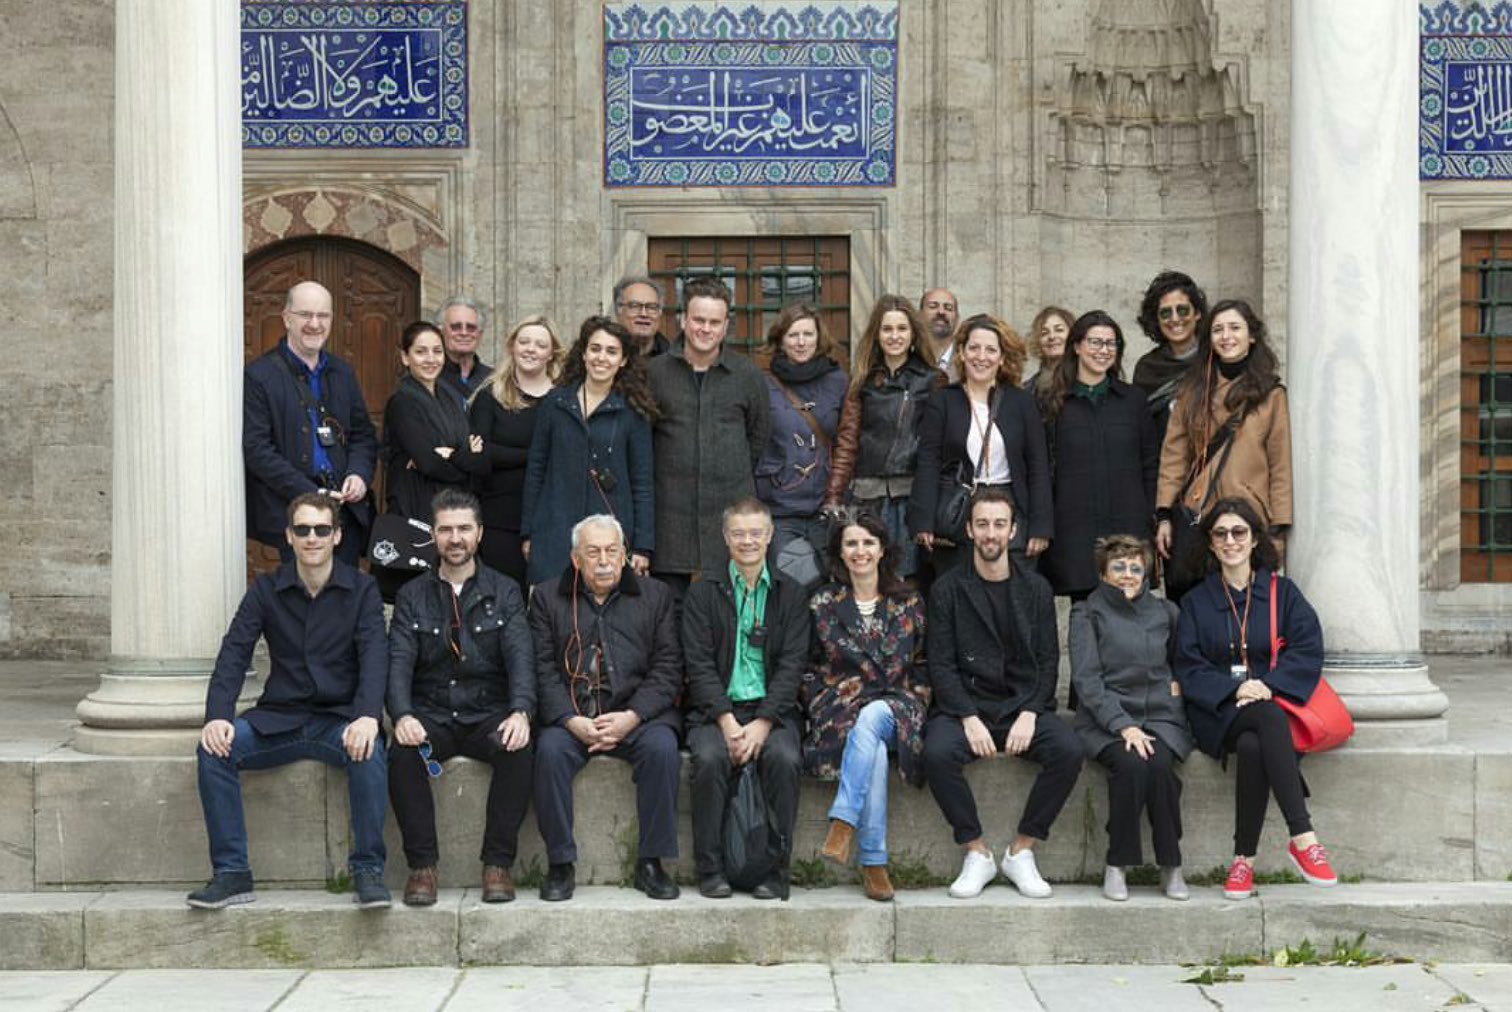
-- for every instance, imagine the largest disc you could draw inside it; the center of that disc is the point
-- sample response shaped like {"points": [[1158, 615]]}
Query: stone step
{"points": [[611, 926], [75, 821]]}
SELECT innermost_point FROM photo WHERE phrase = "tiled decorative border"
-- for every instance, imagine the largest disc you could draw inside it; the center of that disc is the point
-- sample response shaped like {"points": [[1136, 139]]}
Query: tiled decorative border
{"points": [[764, 94], [354, 73], [1465, 91]]}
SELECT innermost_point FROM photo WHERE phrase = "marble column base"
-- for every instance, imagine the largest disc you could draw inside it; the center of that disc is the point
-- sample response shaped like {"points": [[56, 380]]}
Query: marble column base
{"points": [[1392, 699], [149, 707]]}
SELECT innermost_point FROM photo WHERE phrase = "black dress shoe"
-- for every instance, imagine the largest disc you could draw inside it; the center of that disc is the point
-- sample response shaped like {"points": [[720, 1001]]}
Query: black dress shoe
{"points": [[559, 884], [773, 887], [652, 879], [715, 886]]}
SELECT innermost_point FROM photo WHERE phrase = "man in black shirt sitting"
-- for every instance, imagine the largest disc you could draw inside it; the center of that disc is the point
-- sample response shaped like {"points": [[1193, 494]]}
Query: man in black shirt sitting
{"points": [[993, 655]]}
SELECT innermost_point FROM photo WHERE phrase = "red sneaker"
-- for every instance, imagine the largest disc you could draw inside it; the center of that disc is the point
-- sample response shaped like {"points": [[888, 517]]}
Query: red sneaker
{"points": [[1241, 881], [1312, 863]]}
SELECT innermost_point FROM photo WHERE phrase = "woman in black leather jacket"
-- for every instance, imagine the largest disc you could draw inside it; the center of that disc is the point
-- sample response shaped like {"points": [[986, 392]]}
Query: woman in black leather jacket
{"points": [[878, 441]]}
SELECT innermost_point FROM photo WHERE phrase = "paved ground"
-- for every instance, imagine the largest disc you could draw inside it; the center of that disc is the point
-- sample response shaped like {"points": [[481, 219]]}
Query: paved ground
{"points": [[791, 988]]}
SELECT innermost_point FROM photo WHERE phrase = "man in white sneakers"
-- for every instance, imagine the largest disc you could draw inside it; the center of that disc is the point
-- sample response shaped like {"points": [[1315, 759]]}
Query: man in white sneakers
{"points": [[992, 658]]}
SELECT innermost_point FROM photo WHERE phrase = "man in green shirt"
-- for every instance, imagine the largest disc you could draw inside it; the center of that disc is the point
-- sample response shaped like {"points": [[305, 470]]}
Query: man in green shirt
{"points": [[745, 635]]}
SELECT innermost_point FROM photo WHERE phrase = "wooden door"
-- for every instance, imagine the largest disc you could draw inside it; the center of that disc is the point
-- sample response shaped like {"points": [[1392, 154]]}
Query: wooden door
{"points": [[375, 295]]}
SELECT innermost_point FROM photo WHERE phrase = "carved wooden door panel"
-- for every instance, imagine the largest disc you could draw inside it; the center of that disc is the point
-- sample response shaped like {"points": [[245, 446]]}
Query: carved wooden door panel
{"points": [[375, 295]]}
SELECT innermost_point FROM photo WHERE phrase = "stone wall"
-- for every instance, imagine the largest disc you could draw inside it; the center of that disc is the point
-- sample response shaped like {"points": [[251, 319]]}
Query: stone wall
{"points": [[55, 270]]}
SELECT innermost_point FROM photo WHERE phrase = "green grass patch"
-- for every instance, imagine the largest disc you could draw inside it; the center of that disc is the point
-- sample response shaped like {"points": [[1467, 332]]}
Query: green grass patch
{"points": [[1343, 952], [910, 871], [339, 883], [811, 873], [531, 875]]}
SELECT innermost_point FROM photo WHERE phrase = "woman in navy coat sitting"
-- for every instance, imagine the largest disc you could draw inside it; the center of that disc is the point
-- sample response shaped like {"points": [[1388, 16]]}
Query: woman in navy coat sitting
{"points": [[591, 452], [1230, 676]]}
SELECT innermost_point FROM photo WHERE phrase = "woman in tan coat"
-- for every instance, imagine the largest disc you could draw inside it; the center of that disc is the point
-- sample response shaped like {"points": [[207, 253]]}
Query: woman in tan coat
{"points": [[1230, 437]]}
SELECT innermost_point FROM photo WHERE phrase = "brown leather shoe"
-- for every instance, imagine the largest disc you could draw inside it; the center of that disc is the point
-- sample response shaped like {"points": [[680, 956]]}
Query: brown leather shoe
{"points": [[876, 883], [838, 844], [498, 884], [420, 887]]}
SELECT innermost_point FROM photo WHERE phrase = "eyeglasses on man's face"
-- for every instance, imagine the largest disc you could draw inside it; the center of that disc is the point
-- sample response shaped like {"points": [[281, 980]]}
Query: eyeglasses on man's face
{"points": [[309, 316], [641, 307], [319, 530]]}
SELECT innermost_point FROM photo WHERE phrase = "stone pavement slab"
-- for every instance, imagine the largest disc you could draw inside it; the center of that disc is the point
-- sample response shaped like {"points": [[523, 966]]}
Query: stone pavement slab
{"points": [[282, 929], [613, 926], [1489, 984], [411, 988], [548, 989], [1125, 988], [1462, 921], [1077, 925], [791, 988], [47, 990], [913, 987], [1334, 988], [43, 931], [222, 990]]}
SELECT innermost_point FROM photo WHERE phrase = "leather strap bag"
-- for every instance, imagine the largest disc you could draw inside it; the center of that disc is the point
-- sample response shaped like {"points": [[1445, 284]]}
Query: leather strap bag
{"points": [[1323, 722]]}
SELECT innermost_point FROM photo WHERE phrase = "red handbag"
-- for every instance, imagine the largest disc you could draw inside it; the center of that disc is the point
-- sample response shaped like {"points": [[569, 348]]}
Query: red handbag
{"points": [[1323, 722]]}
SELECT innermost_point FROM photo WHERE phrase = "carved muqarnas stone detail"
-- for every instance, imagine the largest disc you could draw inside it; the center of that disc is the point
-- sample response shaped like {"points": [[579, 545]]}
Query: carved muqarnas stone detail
{"points": [[1146, 115]]}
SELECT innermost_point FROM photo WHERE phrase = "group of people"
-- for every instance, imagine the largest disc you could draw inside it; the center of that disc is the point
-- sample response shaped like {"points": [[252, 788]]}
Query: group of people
{"points": [[745, 555]]}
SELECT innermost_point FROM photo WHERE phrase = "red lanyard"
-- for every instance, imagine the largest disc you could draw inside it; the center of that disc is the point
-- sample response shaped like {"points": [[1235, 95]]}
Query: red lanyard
{"points": [[1249, 598]]}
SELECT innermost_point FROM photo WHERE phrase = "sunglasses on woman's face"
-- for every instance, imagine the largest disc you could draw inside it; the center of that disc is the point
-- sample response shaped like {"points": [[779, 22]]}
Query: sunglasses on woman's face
{"points": [[1122, 568], [1239, 535], [1180, 312]]}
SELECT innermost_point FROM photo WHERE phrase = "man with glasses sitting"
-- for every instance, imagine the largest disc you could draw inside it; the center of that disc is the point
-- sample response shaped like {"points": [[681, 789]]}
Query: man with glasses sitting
{"points": [[461, 682], [323, 623], [608, 670], [305, 428]]}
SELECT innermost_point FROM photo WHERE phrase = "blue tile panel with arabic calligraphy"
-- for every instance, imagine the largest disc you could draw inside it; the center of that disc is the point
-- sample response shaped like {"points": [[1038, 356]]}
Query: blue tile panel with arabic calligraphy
{"points": [[1465, 91], [347, 74], [767, 94]]}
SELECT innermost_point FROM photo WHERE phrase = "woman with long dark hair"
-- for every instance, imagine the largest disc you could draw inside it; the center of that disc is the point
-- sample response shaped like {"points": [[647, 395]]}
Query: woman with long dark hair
{"points": [[1230, 437], [1232, 664], [877, 444], [807, 389], [1171, 314], [503, 412], [983, 432], [1104, 455], [869, 695], [591, 452]]}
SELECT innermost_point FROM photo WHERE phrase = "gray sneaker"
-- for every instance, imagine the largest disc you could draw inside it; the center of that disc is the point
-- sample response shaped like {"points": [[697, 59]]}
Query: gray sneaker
{"points": [[1115, 885], [371, 893], [1173, 885]]}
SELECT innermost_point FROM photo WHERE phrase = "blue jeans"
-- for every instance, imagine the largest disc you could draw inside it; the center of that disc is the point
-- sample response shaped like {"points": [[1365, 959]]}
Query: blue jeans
{"points": [[317, 738], [862, 797]]}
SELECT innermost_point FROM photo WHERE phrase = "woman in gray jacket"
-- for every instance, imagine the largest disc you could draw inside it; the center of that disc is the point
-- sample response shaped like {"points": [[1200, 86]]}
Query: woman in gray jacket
{"points": [[1131, 718]]}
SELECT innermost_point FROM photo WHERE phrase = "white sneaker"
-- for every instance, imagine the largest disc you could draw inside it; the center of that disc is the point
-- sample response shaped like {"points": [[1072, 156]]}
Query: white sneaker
{"points": [[1021, 870], [1115, 884], [976, 872]]}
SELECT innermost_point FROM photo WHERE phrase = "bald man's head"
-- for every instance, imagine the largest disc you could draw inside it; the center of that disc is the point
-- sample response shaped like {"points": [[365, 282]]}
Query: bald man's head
{"points": [[307, 318]]}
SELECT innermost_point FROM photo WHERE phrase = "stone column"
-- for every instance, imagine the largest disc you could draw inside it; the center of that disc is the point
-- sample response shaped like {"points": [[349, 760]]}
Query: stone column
{"points": [[177, 513], [1353, 357]]}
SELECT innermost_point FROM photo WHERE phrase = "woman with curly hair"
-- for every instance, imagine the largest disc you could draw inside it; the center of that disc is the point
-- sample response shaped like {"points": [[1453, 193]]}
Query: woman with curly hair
{"points": [[1171, 314], [591, 452], [1230, 437], [869, 695], [983, 432], [503, 412], [878, 440]]}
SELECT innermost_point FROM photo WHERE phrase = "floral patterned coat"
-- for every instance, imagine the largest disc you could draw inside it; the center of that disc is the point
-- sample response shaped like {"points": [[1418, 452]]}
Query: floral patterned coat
{"points": [[851, 666]]}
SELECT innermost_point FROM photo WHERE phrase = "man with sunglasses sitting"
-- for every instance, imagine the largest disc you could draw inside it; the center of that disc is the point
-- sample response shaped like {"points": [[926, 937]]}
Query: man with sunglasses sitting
{"points": [[323, 622], [305, 428], [461, 682]]}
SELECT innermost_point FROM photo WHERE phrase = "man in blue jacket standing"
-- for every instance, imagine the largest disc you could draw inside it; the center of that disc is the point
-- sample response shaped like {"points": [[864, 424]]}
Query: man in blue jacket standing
{"points": [[305, 428], [323, 621]]}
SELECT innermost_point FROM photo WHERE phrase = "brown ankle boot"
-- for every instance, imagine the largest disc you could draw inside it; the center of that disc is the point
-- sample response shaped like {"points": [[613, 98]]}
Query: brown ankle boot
{"points": [[876, 883], [837, 845], [498, 884], [420, 887]]}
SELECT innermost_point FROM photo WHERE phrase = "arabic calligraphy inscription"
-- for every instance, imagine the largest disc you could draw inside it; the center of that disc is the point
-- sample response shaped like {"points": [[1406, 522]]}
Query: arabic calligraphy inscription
{"points": [[1465, 92], [346, 74]]}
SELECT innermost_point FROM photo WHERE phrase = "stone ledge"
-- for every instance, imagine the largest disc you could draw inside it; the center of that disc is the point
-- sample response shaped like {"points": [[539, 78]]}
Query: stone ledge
{"points": [[1450, 922], [69, 820]]}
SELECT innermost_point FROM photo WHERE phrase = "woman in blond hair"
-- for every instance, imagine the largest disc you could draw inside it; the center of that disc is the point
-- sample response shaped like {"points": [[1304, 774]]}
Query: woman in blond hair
{"points": [[504, 414]]}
